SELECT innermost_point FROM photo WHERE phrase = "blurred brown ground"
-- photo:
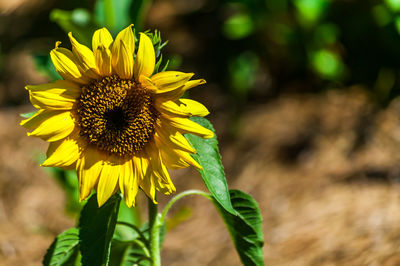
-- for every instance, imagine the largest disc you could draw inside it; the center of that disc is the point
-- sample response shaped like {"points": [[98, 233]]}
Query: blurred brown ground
{"points": [[323, 167]]}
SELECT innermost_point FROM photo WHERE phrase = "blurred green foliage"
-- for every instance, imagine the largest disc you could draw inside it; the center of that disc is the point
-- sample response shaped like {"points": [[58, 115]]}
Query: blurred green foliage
{"points": [[268, 46]]}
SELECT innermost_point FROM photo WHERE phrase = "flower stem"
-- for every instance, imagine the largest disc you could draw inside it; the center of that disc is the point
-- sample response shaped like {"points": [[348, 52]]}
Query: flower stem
{"points": [[154, 225]]}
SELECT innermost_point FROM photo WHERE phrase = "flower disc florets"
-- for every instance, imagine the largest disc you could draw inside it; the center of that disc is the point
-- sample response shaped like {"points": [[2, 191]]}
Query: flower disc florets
{"points": [[116, 115]]}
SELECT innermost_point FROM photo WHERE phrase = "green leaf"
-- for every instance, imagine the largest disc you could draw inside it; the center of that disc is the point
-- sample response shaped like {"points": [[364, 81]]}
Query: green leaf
{"points": [[208, 157], [64, 249], [245, 228], [96, 228]]}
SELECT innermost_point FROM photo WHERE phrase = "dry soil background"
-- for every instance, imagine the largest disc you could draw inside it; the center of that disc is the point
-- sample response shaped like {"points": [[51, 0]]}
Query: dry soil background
{"points": [[324, 169]]}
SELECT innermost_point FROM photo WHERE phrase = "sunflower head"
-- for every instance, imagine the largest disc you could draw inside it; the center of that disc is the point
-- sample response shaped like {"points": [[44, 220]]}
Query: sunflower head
{"points": [[114, 120]]}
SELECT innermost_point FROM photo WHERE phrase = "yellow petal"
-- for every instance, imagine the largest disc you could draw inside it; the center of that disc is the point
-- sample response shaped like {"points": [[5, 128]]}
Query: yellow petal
{"points": [[175, 155], [170, 108], [122, 53], [127, 36], [161, 176], [65, 63], [145, 58], [147, 182], [193, 83], [108, 180], [102, 56], [129, 181], [122, 60], [173, 161], [63, 153], [169, 80], [176, 94], [193, 108], [187, 158], [88, 169], [183, 156], [101, 37], [31, 122], [60, 95], [173, 138], [51, 125], [186, 108], [187, 126], [85, 59]]}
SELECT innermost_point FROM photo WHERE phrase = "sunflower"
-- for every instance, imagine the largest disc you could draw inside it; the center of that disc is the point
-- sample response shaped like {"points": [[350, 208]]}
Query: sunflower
{"points": [[118, 124]]}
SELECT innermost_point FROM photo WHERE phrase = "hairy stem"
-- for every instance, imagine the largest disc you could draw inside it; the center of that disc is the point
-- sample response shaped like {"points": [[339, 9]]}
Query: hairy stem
{"points": [[154, 225]]}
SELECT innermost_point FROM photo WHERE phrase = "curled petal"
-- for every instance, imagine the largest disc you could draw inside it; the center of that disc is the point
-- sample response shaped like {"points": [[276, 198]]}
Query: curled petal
{"points": [[85, 59], [50, 125], [174, 154], [171, 108], [185, 125], [160, 174], [167, 81], [174, 139], [173, 161], [176, 94], [193, 108], [59, 95], [186, 108], [147, 182], [65, 63]]}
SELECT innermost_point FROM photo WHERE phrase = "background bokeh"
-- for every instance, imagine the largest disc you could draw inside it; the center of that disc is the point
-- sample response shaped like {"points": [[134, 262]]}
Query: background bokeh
{"points": [[304, 98]]}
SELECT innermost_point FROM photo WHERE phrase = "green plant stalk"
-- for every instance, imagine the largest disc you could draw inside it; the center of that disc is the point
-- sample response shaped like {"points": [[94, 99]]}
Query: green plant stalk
{"points": [[154, 225], [178, 197]]}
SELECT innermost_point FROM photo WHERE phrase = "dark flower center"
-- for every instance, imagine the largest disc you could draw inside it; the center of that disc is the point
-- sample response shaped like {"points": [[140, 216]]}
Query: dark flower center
{"points": [[117, 116]]}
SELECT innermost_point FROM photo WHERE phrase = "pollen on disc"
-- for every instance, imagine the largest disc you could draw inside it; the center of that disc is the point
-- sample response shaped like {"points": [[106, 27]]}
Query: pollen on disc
{"points": [[117, 116]]}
